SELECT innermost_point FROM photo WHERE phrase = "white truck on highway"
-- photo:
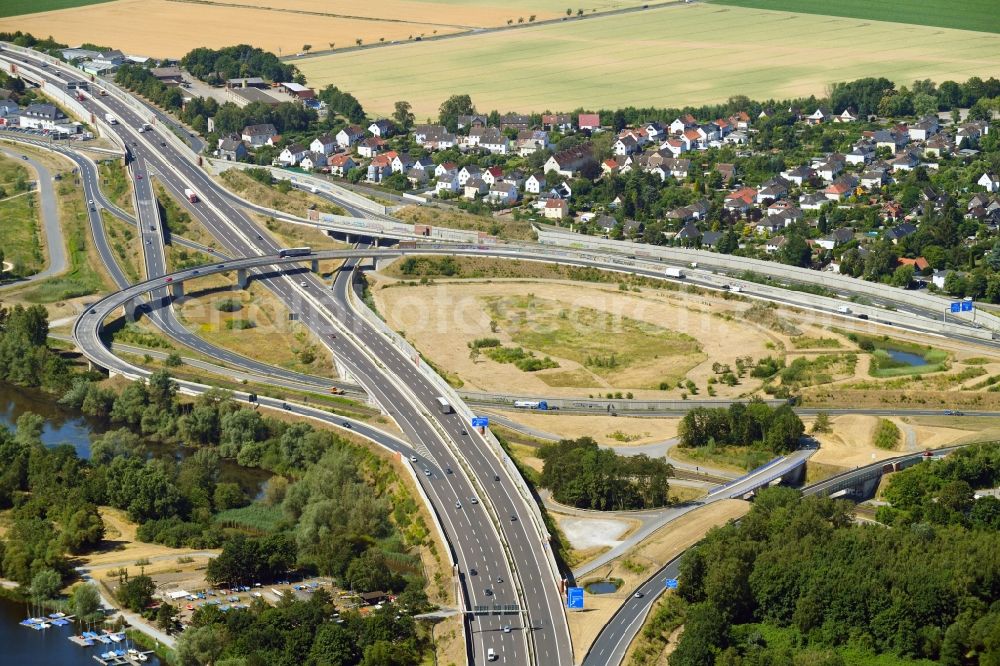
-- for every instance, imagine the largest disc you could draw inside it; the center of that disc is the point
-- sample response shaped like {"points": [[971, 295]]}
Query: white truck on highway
{"points": [[843, 309], [111, 119], [191, 195], [673, 272]]}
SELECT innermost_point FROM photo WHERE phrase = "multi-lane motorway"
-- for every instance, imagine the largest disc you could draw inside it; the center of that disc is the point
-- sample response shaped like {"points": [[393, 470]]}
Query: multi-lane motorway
{"points": [[500, 555], [494, 534]]}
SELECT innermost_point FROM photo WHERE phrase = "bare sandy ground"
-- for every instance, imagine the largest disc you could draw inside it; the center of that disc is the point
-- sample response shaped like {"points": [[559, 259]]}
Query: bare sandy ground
{"points": [[631, 430], [441, 319], [586, 533], [656, 551]]}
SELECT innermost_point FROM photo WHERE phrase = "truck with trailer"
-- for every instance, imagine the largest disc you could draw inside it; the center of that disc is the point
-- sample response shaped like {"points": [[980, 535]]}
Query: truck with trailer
{"points": [[674, 272], [191, 195], [444, 406], [532, 404]]}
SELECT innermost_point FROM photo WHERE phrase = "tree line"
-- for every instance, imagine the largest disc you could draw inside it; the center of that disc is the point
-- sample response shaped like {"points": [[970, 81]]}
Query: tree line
{"points": [[798, 570], [756, 423], [215, 66], [25, 358], [581, 474]]}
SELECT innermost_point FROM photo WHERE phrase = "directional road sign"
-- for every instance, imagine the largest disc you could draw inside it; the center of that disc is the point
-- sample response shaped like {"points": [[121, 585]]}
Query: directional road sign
{"points": [[671, 583], [956, 307], [480, 422], [966, 306], [574, 598]]}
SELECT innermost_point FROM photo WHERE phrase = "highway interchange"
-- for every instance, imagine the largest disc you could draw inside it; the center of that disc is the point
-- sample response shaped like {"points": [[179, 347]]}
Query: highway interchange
{"points": [[494, 537]]}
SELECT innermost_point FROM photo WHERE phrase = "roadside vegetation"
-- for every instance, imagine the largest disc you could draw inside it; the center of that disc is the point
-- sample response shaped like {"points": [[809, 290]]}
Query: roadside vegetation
{"points": [[773, 588], [262, 188], [127, 246], [20, 233], [116, 185], [581, 474]]}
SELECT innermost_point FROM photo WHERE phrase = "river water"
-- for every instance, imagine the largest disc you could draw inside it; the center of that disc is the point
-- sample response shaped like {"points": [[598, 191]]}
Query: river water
{"points": [[26, 647]]}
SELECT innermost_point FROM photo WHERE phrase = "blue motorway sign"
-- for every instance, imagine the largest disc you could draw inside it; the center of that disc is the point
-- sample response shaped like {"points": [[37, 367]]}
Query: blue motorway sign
{"points": [[574, 597], [480, 422], [956, 307], [671, 583], [966, 306]]}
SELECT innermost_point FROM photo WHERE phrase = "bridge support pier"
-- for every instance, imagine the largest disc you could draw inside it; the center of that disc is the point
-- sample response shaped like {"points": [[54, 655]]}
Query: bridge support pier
{"points": [[242, 278], [314, 265], [342, 370], [177, 290], [131, 309]]}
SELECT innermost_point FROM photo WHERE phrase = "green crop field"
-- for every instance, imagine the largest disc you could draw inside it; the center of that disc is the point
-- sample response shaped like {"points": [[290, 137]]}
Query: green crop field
{"points": [[978, 15], [673, 56], [21, 7]]}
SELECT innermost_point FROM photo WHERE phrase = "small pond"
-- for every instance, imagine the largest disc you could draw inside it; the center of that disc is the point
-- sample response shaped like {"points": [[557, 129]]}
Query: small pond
{"points": [[906, 358], [602, 587]]}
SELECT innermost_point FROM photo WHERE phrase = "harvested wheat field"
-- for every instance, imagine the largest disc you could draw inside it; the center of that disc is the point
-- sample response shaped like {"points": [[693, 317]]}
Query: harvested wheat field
{"points": [[588, 338], [664, 57], [165, 28]]}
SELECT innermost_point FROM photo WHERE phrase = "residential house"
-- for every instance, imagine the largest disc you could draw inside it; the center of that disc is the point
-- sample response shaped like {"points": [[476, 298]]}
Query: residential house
{"points": [[370, 146], [676, 146], [568, 162], [819, 116], [769, 224], [562, 122], [990, 182], [292, 154], [589, 121], [970, 133], [380, 167], [515, 177], [900, 231], [924, 129], [741, 200], [892, 210], [325, 144], [863, 153], [417, 177], [492, 175], [468, 173], [531, 141], [535, 183], [789, 216], [474, 187], [633, 228], [556, 209], [313, 161], [848, 115], [779, 206], [727, 171], [939, 277], [738, 138], [938, 145], [611, 165], [841, 187], [682, 123], [349, 136], [919, 264], [257, 135], [710, 238], [446, 170], [382, 128], [740, 120], [232, 151], [812, 201], [515, 121], [42, 116], [772, 190], [830, 169], [906, 160], [447, 183], [836, 238], [605, 223], [401, 163], [341, 164], [494, 141], [654, 131], [689, 234], [503, 193], [775, 244], [471, 121], [625, 146], [892, 140], [799, 175]]}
